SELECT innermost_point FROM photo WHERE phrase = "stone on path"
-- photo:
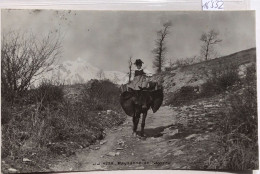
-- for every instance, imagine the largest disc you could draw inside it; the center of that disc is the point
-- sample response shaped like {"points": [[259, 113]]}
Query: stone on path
{"points": [[26, 160], [202, 138], [175, 131], [176, 166], [178, 152], [12, 170], [120, 142], [191, 136], [103, 142], [111, 154]]}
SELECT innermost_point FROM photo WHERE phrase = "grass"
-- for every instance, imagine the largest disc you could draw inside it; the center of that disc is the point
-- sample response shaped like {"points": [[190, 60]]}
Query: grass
{"points": [[183, 96], [219, 81], [44, 124], [238, 133]]}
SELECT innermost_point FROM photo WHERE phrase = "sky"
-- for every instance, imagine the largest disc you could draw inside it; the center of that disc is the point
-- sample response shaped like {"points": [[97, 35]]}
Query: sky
{"points": [[106, 39]]}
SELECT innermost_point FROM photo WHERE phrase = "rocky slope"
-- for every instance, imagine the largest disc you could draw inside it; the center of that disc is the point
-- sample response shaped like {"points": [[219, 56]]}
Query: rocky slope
{"points": [[197, 74]]}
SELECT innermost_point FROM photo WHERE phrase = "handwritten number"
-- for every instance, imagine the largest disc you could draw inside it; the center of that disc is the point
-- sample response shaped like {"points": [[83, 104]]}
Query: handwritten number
{"points": [[206, 5], [216, 5], [213, 4], [221, 4]]}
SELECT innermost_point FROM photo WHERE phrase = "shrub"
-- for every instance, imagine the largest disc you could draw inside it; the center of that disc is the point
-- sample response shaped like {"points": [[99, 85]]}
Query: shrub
{"points": [[168, 69], [6, 115], [48, 92], [101, 95], [220, 80], [187, 61], [184, 95], [239, 132], [30, 57], [239, 127], [7, 95], [25, 125], [250, 75], [62, 126], [227, 79]]}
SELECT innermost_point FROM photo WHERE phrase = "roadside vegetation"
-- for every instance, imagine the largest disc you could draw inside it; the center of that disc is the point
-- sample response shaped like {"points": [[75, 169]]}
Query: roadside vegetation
{"points": [[39, 124], [237, 133], [43, 123], [218, 80]]}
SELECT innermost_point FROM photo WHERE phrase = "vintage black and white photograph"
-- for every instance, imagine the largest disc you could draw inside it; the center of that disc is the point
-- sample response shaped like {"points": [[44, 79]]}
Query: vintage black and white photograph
{"points": [[128, 90]]}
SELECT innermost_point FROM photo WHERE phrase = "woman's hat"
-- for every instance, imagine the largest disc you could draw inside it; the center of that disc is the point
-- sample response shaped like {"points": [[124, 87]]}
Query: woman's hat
{"points": [[138, 62]]}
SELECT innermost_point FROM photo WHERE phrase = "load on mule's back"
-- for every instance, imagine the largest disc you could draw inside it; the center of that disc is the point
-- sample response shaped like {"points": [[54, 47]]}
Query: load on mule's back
{"points": [[139, 96]]}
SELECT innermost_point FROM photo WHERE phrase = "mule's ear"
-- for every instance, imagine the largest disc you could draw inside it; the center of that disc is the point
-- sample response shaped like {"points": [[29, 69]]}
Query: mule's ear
{"points": [[157, 97], [127, 103]]}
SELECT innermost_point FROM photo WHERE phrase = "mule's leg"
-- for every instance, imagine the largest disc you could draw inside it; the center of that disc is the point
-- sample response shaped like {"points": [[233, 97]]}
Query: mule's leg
{"points": [[134, 126], [135, 123], [143, 123]]}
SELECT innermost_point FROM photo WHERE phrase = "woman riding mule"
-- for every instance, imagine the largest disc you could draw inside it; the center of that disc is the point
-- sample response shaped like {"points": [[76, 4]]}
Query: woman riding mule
{"points": [[139, 96], [140, 79]]}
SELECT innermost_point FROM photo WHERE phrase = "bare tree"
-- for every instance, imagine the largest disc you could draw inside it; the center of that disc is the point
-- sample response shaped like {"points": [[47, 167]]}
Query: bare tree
{"points": [[24, 57], [130, 64], [209, 40], [101, 74], [160, 49]]}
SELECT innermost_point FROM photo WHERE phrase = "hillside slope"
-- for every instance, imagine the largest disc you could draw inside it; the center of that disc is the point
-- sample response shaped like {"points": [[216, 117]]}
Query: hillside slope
{"points": [[197, 74]]}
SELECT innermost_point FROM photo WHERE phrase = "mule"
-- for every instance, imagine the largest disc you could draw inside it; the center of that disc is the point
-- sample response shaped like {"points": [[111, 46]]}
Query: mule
{"points": [[137, 102]]}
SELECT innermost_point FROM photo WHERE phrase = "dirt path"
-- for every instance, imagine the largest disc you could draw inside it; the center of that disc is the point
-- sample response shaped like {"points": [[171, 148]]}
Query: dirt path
{"points": [[166, 146]]}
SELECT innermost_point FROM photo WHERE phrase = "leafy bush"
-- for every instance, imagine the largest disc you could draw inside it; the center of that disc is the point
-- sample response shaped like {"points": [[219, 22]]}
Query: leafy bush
{"points": [[102, 95]]}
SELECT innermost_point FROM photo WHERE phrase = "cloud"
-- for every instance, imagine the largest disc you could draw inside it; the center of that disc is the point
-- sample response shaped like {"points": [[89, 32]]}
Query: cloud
{"points": [[108, 38]]}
